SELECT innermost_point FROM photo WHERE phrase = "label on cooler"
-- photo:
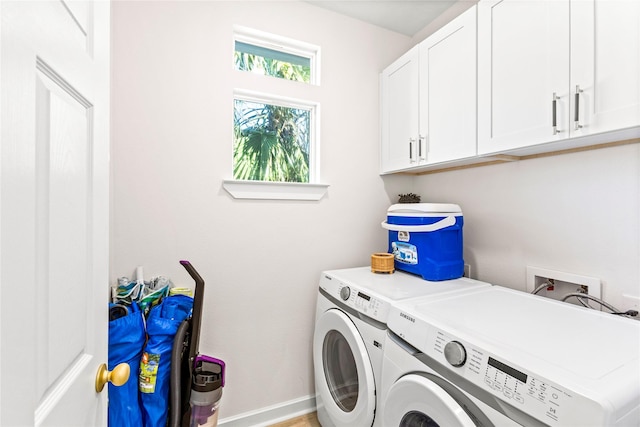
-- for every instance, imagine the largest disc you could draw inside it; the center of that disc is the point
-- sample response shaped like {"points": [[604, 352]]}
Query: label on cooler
{"points": [[405, 252]]}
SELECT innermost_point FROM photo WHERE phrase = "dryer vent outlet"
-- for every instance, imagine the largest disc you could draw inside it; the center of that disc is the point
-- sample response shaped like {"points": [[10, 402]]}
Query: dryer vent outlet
{"points": [[557, 284]]}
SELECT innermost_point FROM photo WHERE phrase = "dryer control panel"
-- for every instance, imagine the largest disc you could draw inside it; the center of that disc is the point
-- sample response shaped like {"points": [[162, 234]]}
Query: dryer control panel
{"points": [[526, 392], [350, 295]]}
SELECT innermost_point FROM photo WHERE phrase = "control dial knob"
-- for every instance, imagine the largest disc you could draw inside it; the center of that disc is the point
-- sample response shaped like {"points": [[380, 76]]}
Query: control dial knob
{"points": [[455, 353], [345, 292]]}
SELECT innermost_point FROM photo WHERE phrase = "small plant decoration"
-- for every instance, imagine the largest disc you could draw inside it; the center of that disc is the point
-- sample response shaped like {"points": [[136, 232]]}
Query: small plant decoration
{"points": [[409, 198]]}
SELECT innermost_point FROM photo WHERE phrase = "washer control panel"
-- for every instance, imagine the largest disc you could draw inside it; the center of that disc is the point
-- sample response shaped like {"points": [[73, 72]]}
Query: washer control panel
{"points": [[530, 393], [358, 299]]}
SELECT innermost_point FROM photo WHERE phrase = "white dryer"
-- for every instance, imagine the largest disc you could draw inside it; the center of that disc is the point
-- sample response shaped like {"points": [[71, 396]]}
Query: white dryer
{"points": [[350, 333], [503, 357]]}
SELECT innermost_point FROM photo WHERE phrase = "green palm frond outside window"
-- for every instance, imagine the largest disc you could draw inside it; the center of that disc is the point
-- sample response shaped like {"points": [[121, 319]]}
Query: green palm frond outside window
{"points": [[272, 63], [271, 143]]}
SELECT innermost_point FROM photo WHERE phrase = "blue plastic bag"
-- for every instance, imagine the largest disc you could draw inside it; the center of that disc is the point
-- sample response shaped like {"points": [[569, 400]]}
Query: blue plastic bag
{"points": [[126, 341], [155, 364]]}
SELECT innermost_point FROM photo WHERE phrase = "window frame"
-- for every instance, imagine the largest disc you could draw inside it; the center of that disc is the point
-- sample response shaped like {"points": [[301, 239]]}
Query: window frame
{"points": [[275, 190], [281, 101], [270, 190]]}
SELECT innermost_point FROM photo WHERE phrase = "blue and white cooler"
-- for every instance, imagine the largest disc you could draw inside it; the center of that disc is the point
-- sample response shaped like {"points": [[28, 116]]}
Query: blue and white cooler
{"points": [[426, 239]]}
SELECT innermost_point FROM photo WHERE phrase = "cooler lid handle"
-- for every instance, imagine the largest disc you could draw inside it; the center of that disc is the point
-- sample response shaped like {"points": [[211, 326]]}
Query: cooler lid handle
{"points": [[443, 223]]}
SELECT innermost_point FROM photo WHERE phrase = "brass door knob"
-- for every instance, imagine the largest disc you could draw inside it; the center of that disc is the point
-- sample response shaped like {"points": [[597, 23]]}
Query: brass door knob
{"points": [[117, 377]]}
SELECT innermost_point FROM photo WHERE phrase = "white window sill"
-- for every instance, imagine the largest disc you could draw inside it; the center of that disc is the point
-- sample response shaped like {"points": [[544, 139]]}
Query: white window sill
{"points": [[274, 190]]}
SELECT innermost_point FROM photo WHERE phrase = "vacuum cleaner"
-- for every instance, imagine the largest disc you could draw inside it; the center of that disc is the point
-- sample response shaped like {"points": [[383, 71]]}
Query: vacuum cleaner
{"points": [[196, 380]]}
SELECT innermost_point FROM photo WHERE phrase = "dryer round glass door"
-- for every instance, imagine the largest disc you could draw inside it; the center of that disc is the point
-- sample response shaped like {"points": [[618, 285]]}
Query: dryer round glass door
{"points": [[415, 401], [343, 372]]}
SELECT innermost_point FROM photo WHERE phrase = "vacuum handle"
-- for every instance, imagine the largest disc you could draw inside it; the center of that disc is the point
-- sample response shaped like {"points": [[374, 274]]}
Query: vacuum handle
{"points": [[196, 317], [193, 273]]}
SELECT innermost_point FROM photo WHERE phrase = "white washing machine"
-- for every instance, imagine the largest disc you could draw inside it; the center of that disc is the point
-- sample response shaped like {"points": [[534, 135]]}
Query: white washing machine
{"points": [[503, 357], [350, 333], [415, 394]]}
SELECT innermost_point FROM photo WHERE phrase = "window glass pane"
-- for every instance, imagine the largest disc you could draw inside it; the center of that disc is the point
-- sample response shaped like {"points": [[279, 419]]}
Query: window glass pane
{"points": [[271, 142], [270, 62]]}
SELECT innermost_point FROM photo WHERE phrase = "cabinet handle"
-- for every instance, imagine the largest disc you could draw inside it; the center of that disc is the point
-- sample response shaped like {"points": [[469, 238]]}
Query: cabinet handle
{"points": [[411, 141], [420, 155], [576, 116], [554, 115]]}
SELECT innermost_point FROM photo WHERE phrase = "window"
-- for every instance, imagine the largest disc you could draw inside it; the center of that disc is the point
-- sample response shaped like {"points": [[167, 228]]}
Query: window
{"points": [[270, 62], [275, 139], [276, 56]]}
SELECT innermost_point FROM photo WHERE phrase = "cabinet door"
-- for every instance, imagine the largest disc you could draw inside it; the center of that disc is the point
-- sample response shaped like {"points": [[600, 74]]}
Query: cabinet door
{"points": [[448, 91], [523, 60], [399, 105], [605, 65]]}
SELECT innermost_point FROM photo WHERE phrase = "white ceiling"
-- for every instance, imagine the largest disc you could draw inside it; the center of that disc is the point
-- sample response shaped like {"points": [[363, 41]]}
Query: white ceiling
{"points": [[402, 16]]}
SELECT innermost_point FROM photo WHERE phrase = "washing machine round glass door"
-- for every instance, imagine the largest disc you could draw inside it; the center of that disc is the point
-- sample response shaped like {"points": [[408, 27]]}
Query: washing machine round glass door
{"points": [[343, 372], [416, 401]]}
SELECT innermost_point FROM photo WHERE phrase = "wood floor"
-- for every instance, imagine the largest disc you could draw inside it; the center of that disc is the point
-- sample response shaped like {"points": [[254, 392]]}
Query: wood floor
{"points": [[309, 420]]}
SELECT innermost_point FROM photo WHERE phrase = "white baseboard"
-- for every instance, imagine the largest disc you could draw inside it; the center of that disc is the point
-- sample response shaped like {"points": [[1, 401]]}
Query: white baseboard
{"points": [[271, 414]]}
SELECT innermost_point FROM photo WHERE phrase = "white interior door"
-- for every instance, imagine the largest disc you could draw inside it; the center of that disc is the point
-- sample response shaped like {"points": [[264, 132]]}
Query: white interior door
{"points": [[54, 204]]}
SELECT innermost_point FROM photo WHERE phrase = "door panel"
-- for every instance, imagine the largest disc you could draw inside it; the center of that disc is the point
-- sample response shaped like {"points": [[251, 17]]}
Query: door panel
{"points": [[605, 60], [400, 104], [448, 90], [523, 59], [62, 206], [54, 212]]}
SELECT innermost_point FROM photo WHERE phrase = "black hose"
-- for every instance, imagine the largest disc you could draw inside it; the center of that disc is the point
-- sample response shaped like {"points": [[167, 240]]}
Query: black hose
{"points": [[175, 405]]}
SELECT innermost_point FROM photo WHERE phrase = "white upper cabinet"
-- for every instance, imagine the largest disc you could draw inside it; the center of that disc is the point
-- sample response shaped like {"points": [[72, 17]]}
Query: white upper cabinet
{"points": [[399, 111], [605, 65], [448, 91], [553, 70], [523, 73], [514, 77], [428, 99]]}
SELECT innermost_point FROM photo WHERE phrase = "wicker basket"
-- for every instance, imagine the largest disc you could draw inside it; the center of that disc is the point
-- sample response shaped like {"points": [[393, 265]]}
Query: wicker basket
{"points": [[382, 263]]}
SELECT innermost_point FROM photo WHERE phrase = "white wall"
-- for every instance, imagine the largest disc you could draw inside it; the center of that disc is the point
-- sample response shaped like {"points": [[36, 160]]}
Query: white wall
{"points": [[447, 16], [576, 213], [171, 148]]}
